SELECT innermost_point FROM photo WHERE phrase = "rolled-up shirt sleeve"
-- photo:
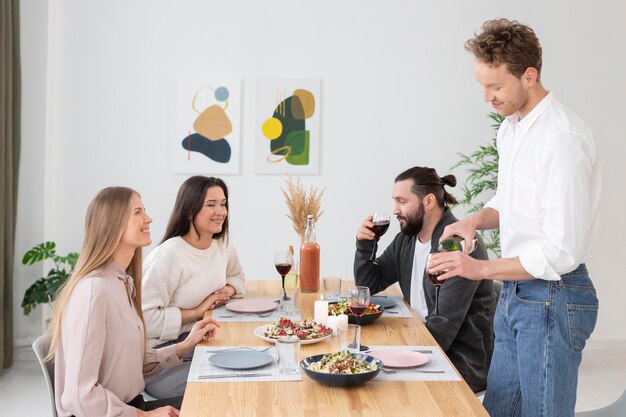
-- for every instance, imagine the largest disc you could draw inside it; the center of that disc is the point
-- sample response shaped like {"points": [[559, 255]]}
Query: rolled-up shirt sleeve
{"points": [[493, 203], [563, 189]]}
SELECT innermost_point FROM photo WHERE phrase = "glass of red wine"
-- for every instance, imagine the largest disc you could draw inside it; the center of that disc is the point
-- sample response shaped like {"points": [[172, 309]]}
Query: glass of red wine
{"points": [[435, 317], [283, 260], [358, 301], [381, 224]]}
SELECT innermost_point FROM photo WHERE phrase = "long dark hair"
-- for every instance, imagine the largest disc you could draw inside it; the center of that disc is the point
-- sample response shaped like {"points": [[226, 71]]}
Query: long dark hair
{"points": [[427, 181], [189, 202]]}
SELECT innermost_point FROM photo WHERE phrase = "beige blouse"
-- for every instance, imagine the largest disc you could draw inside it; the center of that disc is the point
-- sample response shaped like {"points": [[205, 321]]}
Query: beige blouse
{"points": [[100, 356]]}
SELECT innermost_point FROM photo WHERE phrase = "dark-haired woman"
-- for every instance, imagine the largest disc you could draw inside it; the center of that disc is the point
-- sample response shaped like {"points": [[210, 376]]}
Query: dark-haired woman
{"points": [[194, 269]]}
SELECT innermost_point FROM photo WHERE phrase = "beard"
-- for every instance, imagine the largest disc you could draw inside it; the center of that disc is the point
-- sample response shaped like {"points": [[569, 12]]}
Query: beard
{"points": [[514, 104], [413, 222]]}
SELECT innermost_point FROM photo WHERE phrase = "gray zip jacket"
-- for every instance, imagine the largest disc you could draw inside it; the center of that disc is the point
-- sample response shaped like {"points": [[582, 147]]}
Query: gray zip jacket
{"points": [[467, 338]]}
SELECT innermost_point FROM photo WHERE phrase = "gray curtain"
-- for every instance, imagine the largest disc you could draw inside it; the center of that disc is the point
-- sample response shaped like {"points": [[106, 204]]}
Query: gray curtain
{"points": [[10, 103]]}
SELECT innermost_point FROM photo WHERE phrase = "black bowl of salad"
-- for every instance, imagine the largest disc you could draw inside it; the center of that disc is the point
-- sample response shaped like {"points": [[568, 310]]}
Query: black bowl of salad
{"points": [[372, 313], [341, 369]]}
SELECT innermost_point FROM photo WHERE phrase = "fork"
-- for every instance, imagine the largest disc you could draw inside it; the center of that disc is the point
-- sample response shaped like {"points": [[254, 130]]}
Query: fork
{"points": [[230, 316], [238, 375], [238, 348]]}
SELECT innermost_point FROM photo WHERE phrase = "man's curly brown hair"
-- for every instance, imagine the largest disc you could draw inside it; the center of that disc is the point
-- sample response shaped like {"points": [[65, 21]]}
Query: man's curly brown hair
{"points": [[503, 41]]}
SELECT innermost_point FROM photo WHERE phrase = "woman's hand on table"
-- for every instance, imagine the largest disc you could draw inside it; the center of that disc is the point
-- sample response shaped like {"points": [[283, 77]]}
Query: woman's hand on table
{"points": [[213, 300], [202, 331], [228, 290]]}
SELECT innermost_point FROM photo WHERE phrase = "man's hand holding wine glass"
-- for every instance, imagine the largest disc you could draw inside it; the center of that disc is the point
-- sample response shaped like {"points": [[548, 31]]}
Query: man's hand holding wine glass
{"points": [[365, 230]]}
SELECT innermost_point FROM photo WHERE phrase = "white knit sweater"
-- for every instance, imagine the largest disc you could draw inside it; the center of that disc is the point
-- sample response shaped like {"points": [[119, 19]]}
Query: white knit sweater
{"points": [[178, 276]]}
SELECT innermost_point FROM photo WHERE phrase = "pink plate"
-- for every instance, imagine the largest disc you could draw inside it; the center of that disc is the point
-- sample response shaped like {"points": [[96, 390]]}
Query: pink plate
{"points": [[251, 305], [400, 358]]}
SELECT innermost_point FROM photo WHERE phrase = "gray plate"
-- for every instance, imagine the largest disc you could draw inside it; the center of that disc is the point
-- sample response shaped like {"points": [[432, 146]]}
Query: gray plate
{"points": [[384, 302], [240, 359]]}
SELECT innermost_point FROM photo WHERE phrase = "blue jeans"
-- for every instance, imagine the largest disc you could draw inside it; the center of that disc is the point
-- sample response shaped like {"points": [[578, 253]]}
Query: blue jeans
{"points": [[540, 331]]}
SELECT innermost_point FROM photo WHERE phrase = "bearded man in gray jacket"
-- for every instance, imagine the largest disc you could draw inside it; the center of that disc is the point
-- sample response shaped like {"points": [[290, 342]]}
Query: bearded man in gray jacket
{"points": [[421, 206]]}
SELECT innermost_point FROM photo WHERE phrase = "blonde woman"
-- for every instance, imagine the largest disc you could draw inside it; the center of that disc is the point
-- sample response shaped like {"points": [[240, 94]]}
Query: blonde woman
{"points": [[97, 332]]}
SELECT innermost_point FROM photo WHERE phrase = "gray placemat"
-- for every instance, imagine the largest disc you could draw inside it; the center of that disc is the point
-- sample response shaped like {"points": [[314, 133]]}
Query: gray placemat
{"points": [[201, 366], [399, 310], [222, 314]]}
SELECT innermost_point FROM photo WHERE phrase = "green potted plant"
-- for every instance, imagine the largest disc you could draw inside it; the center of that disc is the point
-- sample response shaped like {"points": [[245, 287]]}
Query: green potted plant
{"points": [[482, 180], [44, 290]]}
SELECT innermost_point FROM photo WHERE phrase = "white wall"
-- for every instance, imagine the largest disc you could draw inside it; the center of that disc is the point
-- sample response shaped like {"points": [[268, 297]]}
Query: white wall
{"points": [[397, 91], [30, 218]]}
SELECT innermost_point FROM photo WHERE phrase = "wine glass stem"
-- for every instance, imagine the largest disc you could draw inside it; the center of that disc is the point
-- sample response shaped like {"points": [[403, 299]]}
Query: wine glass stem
{"points": [[437, 287], [285, 297], [373, 255]]}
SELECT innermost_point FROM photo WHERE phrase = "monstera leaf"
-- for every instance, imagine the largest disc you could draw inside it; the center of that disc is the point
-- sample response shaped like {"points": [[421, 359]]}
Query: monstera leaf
{"points": [[45, 289]]}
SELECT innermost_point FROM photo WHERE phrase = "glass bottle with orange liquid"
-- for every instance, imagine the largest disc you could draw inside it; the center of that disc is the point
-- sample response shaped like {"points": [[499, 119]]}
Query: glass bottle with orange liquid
{"points": [[309, 258]]}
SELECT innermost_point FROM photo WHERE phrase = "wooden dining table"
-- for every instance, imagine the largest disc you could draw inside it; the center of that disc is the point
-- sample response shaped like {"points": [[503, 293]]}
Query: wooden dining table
{"points": [[307, 398]]}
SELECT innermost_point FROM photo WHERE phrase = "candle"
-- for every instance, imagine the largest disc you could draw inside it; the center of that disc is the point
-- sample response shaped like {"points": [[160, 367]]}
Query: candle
{"points": [[342, 323], [320, 311], [332, 322]]}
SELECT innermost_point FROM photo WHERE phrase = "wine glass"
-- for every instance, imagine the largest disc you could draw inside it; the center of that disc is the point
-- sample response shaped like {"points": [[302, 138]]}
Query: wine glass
{"points": [[435, 317], [358, 301], [283, 261], [381, 224]]}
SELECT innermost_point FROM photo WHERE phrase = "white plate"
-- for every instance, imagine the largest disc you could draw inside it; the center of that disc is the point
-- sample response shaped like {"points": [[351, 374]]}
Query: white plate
{"points": [[251, 305], [240, 359], [260, 333]]}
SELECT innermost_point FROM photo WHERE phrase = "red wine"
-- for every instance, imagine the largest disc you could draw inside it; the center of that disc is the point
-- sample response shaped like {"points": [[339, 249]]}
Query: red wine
{"points": [[380, 227], [358, 309], [283, 269]]}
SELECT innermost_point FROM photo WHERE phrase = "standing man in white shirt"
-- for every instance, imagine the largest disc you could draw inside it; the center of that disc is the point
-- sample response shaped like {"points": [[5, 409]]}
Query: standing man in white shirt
{"points": [[546, 207]]}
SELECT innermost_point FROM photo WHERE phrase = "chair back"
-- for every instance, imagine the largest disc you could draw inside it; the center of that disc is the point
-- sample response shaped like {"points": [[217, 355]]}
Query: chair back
{"points": [[40, 346]]}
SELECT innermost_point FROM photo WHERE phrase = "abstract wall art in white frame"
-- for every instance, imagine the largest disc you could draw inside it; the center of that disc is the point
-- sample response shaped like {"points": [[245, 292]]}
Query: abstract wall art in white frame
{"points": [[287, 125], [208, 126]]}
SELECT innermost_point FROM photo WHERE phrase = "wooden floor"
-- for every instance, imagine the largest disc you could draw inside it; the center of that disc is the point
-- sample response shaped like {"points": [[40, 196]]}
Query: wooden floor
{"points": [[23, 391]]}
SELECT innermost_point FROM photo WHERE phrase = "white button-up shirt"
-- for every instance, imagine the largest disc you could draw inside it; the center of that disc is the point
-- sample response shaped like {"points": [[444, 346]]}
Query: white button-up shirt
{"points": [[548, 189]]}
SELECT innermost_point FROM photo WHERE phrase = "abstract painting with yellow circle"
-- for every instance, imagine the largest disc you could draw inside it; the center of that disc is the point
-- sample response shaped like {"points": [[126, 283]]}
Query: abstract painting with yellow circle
{"points": [[289, 132]]}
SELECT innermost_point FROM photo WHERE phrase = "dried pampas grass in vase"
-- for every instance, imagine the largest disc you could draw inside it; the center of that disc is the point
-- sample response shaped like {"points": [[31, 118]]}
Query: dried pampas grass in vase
{"points": [[301, 203]]}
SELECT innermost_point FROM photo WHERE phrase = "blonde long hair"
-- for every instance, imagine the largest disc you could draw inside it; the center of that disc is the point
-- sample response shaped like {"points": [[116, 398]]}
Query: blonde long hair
{"points": [[105, 222]]}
